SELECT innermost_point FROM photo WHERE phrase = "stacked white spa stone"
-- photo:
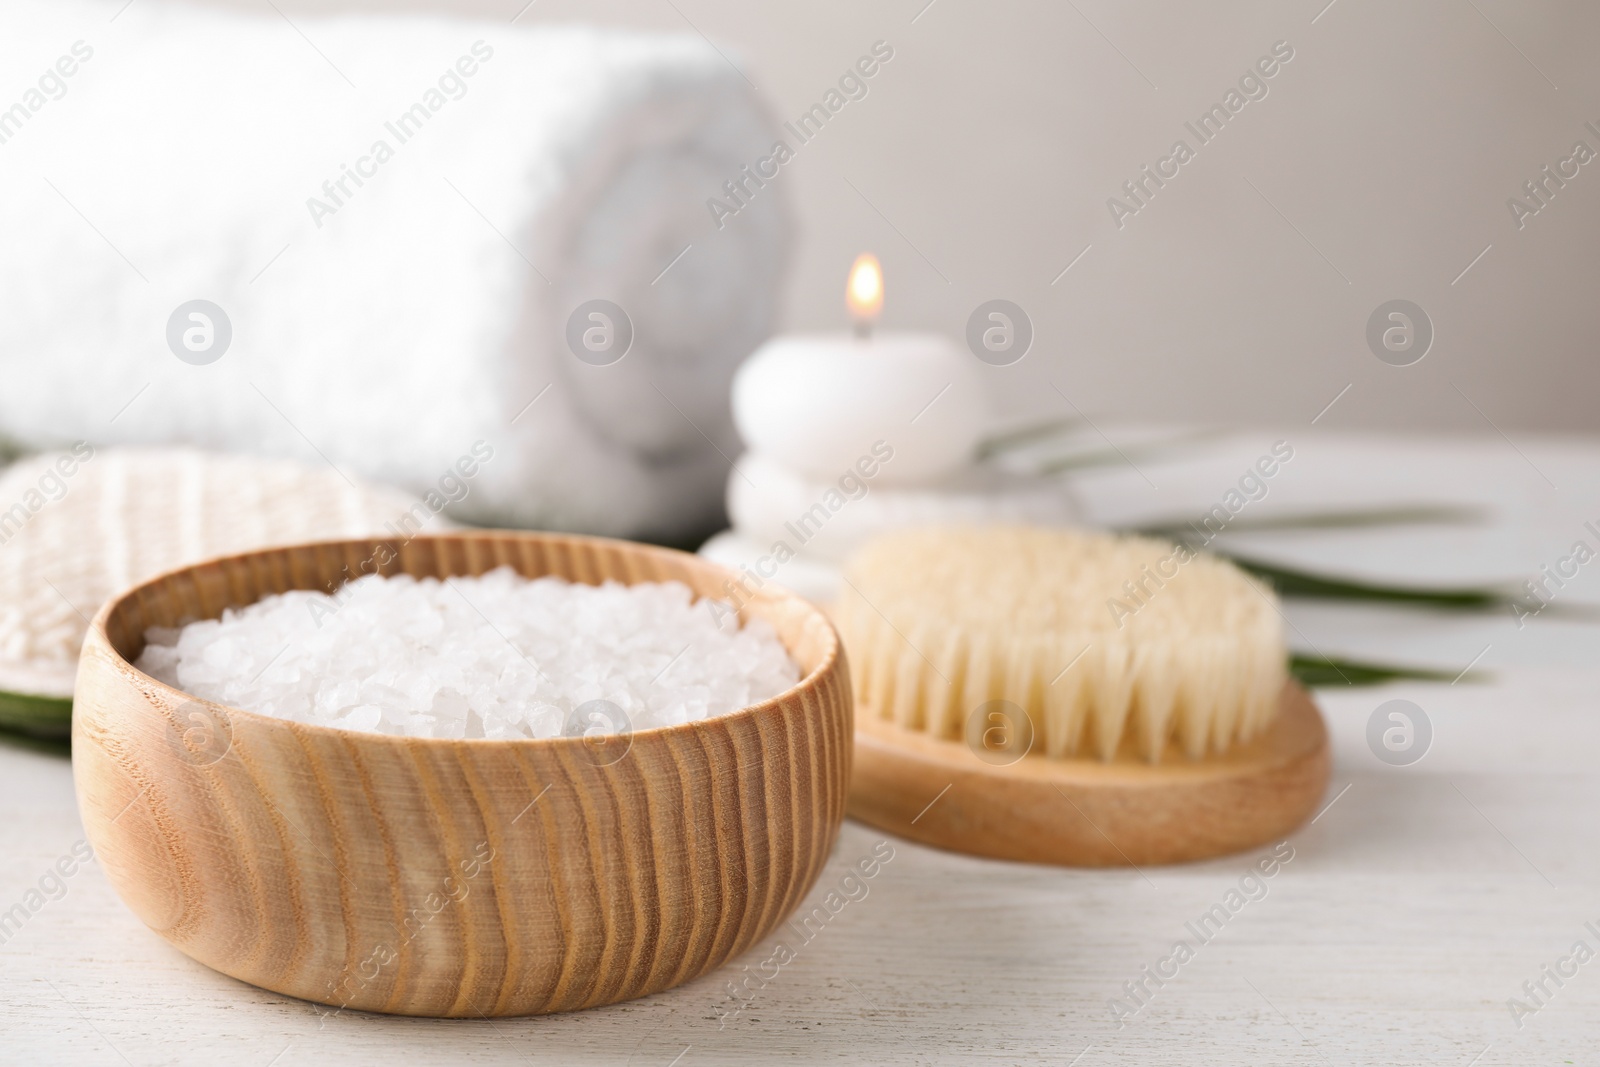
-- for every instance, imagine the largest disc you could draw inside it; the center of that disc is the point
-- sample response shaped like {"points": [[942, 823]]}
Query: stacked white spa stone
{"points": [[852, 437]]}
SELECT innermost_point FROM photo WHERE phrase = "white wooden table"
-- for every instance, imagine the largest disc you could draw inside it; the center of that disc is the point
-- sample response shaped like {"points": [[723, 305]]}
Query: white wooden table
{"points": [[1415, 906]]}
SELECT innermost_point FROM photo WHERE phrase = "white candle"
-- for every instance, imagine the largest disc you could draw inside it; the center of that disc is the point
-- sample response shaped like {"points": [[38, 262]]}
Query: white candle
{"points": [[819, 403]]}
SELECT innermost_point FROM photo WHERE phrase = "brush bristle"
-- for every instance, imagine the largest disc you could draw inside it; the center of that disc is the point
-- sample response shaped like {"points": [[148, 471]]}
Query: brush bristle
{"points": [[1103, 641]]}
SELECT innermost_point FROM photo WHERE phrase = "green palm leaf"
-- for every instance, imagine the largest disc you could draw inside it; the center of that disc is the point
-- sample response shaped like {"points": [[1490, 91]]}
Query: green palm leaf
{"points": [[1324, 671]]}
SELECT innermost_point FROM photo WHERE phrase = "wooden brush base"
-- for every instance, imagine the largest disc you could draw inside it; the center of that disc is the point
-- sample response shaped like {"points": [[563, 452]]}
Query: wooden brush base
{"points": [[1086, 813]]}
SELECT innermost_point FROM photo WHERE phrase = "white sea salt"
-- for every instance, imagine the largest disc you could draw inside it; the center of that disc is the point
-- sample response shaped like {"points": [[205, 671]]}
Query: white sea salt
{"points": [[498, 656]]}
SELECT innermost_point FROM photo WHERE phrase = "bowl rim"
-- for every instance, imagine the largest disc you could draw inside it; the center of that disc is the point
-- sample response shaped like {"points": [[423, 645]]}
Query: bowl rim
{"points": [[831, 659]]}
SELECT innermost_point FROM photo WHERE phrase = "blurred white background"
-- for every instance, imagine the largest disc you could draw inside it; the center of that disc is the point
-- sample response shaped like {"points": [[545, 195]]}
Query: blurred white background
{"points": [[1378, 167]]}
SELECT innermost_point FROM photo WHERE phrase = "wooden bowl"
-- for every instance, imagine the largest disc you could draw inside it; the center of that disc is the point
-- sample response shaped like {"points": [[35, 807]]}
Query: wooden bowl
{"points": [[454, 877]]}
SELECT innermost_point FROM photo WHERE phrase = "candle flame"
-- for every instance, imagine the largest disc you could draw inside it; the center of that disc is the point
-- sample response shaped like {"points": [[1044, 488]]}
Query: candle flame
{"points": [[864, 293]]}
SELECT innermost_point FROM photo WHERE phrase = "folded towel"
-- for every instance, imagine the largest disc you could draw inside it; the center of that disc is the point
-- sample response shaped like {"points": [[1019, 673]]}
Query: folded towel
{"points": [[79, 526], [396, 217]]}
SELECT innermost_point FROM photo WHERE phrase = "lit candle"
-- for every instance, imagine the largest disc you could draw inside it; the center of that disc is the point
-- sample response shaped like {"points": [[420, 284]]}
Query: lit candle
{"points": [[818, 403]]}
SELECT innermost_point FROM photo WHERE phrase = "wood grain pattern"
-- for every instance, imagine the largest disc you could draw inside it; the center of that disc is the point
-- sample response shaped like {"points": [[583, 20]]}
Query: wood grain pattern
{"points": [[1085, 813], [454, 878]]}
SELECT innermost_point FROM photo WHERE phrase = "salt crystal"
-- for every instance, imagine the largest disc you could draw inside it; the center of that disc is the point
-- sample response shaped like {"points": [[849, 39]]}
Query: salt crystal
{"points": [[497, 656]]}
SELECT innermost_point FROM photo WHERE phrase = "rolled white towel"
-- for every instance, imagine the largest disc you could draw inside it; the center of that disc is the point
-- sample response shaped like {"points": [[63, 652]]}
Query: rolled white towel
{"points": [[397, 217]]}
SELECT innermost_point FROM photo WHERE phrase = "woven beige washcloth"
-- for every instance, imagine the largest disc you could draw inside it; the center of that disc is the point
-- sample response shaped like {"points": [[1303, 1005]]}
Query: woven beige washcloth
{"points": [[78, 526]]}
